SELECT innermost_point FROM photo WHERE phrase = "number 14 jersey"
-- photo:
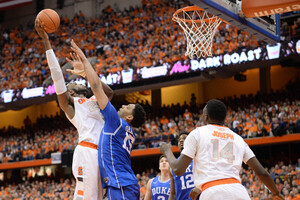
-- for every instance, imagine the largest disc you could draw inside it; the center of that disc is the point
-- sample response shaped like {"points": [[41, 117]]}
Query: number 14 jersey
{"points": [[217, 153]]}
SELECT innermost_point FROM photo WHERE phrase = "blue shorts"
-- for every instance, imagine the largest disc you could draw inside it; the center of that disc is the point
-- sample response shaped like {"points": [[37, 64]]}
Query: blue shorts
{"points": [[130, 192]]}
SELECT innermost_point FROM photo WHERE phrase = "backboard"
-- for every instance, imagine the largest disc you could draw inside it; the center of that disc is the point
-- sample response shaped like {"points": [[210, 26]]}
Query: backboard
{"points": [[265, 28]]}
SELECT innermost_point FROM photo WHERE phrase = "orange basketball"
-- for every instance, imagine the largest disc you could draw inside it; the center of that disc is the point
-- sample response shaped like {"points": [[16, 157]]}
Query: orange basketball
{"points": [[50, 18]]}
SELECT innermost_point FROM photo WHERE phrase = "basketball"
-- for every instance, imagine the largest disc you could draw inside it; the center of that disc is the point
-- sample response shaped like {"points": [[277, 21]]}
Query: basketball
{"points": [[50, 18]]}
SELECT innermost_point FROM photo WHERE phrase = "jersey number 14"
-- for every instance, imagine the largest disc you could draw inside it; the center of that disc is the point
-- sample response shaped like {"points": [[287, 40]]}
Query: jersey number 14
{"points": [[226, 152]]}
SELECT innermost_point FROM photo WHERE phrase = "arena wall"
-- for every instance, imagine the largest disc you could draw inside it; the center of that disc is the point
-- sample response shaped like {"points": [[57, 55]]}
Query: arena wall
{"points": [[16, 118]]}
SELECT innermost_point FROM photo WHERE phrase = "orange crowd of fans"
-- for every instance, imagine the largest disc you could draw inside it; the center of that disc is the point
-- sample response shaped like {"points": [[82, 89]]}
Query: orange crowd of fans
{"points": [[120, 39]]}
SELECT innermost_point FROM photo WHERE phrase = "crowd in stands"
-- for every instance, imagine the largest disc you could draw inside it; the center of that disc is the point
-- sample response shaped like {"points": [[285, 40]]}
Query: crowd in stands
{"points": [[275, 114], [250, 116], [38, 190], [37, 141], [121, 39], [286, 177]]}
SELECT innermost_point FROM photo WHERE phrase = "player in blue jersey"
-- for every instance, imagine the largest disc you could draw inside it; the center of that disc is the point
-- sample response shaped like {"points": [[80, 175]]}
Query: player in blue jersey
{"points": [[182, 187], [116, 140], [158, 188]]}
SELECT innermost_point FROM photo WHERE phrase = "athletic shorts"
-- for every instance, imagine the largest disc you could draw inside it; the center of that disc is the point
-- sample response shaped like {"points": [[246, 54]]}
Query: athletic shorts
{"points": [[130, 192], [234, 191], [86, 172]]}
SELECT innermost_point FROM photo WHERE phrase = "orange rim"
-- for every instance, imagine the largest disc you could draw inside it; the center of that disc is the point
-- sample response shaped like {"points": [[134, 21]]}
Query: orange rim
{"points": [[194, 8]]}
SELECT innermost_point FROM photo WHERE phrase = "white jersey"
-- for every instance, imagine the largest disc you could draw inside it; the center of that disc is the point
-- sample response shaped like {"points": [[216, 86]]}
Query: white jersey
{"points": [[87, 119], [217, 153]]}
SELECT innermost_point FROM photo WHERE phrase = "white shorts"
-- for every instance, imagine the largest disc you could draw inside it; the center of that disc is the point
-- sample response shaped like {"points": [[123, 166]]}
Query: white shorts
{"points": [[234, 191], [86, 172]]}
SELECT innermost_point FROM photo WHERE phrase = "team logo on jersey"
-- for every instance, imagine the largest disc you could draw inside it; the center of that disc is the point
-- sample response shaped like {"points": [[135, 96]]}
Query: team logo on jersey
{"points": [[93, 106], [106, 179]]}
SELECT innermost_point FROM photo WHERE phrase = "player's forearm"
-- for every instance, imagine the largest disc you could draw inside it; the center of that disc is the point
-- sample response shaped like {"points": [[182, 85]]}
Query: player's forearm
{"points": [[172, 197], [92, 76], [96, 84], [268, 181], [173, 162], [108, 91], [47, 44], [56, 73]]}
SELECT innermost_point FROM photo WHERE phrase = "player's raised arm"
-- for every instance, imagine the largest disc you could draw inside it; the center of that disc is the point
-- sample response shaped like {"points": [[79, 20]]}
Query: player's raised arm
{"points": [[178, 165], [264, 176], [64, 99], [78, 69], [92, 77]]}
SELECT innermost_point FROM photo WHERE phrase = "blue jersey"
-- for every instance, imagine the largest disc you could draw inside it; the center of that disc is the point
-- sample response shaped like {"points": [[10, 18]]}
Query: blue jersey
{"points": [[160, 190], [184, 184], [115, 145]]}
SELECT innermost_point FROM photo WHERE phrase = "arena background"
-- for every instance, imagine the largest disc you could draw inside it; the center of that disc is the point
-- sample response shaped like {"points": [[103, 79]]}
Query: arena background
{"points": [[267, 79]]}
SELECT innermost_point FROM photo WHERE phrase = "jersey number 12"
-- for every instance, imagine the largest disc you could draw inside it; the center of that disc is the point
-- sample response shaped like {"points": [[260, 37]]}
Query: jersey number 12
{"points": [[187, 181]]}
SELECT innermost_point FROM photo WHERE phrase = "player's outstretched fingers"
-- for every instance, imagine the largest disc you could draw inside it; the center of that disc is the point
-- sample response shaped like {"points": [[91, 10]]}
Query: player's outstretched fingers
{"points": [[70, 70], [77, 50], [69, 60]]}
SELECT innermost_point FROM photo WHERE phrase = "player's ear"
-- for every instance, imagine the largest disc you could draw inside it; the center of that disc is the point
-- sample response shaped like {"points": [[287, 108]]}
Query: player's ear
{"points": [[129, 118], [71, 92]]}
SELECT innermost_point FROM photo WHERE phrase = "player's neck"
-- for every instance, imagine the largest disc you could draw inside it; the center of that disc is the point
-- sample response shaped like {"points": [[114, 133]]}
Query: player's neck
{"points": [[215, 123], [164, 176]]}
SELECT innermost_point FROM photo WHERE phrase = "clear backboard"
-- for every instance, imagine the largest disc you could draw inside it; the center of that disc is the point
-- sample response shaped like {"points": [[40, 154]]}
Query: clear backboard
{"points": [[266, 28]]}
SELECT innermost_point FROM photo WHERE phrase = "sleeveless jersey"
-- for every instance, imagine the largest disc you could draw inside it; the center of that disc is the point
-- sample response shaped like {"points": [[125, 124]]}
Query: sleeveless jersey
{"points": [[184, 184], [115, 145], [87, 119], [160, 190], [217, 153]]}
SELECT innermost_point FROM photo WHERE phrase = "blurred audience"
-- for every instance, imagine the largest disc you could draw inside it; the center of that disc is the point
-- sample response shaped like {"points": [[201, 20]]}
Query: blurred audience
{"points": [[133, 38], [286, 177], [275, 114]]}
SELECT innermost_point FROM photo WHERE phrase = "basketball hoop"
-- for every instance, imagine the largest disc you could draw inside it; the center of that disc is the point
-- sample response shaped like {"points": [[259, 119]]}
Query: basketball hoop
{"points": [[199, 28]]}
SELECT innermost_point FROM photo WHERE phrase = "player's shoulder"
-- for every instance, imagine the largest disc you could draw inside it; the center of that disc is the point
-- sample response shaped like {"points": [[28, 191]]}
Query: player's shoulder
{"points": [[151, 181], [198, 131]]}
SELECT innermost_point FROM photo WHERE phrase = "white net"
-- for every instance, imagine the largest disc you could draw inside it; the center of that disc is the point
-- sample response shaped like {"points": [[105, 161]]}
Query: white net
{"points": [[199, 28]]}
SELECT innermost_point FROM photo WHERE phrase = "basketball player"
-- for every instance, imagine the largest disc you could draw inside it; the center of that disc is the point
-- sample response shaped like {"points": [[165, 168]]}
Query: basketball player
{"points": [[158, 188], [84, 114], [218, 154], [182, 187], [116, 140]]}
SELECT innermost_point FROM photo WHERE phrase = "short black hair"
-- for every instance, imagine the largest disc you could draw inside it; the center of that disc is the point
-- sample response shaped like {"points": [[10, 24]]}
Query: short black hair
{"points": [[139, 116], [180, 134], [216, 110], [183, 133]]}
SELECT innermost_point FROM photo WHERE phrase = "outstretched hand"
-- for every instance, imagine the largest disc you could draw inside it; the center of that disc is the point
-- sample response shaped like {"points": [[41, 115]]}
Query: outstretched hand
{"points": [[77, 65], [164, 147], [78, 51], [39, 27]]}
